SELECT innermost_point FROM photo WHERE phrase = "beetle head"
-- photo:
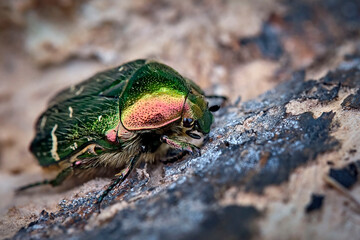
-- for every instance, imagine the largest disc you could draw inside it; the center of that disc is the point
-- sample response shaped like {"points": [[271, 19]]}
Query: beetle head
{"points": [[197, 114]]}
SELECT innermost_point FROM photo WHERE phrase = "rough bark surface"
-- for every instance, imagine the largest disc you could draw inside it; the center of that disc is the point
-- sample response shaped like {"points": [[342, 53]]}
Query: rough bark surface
{"points": [[281, 163]]}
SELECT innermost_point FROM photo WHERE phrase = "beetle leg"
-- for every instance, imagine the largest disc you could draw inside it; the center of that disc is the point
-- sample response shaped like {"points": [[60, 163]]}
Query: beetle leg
{"points": [[54, 182], [184, 146], [120, 178]]}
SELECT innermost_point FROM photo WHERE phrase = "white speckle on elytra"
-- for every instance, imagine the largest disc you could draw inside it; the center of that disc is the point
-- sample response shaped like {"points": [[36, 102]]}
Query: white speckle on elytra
{"points": [[54, 153], [71, 112], [42, 124], [75, 146], [78, 92]]}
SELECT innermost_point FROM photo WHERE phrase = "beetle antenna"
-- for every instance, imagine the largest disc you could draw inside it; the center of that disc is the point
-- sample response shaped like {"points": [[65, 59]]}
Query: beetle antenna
{"points": [[193, 135]]}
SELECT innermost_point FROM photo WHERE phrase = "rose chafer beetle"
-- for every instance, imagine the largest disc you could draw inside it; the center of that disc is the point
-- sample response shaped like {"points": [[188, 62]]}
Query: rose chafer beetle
{"points": [[139, 111]]}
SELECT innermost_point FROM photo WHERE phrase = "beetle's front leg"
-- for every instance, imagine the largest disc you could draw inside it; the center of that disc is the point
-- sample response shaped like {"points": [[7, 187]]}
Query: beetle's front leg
{"points": [[177, 144]]}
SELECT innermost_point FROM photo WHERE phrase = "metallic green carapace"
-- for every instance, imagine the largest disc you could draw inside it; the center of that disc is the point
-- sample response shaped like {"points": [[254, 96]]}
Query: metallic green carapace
{"points": [[139, 111], [81, 115]]}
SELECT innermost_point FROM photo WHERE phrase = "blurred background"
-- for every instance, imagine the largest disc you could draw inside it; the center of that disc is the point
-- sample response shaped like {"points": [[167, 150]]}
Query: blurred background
{"points": [[237, 48]]}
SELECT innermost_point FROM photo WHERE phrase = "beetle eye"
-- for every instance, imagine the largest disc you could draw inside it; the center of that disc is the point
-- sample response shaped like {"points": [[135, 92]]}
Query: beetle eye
{"points": [[188, 122]]}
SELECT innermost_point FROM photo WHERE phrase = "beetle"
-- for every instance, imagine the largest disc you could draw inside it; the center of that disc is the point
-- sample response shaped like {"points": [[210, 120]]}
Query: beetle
{"points": [[139, 111]]}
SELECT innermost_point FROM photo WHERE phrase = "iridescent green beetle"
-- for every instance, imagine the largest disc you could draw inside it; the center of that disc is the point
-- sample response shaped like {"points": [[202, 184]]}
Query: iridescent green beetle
{"points": [[136, 112]]}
